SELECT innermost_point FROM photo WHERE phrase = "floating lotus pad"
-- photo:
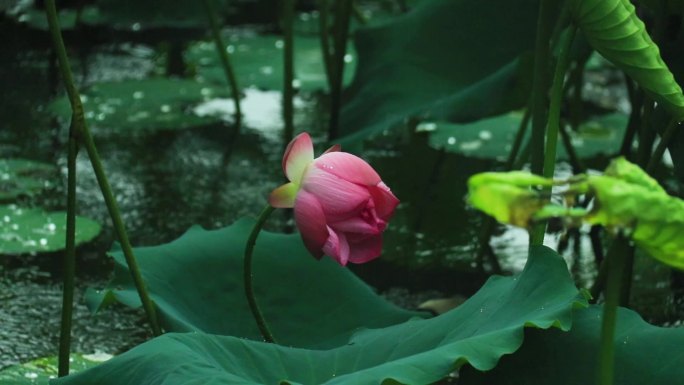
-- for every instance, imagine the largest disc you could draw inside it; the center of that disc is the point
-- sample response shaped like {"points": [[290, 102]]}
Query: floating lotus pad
{"points": [[139, 105], [23, 177], [25, 230], [42, 370]]}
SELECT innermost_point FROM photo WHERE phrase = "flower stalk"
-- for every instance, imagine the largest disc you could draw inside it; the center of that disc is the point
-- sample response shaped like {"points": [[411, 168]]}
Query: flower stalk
{"points": [[247, 274]]}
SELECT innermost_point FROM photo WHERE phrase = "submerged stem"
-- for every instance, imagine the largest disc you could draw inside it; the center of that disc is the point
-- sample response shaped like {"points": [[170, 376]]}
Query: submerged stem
{"points": [[247, 274], [83, 133]]}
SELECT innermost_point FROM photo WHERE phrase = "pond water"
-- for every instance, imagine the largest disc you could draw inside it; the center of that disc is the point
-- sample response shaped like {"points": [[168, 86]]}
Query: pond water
{"points": [[168, 180]]}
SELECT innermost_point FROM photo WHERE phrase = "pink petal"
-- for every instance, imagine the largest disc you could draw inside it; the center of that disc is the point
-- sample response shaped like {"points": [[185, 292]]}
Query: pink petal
{"points": [[340, 199], [284, 196], [385, 201], [333, 148], [348, 167], [366, 249], [337, 247], [358, 225], [310, 221], [298, 155]]}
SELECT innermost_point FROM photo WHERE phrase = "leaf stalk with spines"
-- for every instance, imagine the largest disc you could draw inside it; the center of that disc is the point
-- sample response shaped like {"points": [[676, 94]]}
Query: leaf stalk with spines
{"points": [[82, 132]]}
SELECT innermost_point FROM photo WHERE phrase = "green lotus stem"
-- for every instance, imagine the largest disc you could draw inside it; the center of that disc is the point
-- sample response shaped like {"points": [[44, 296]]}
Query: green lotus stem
{"points": [[555, 103], [225, 59], [69, 257], [83, 134], [636, 100], [540, 86], [646, 134], [324, 33], [545, 20], [341, 28], [665, 140], [615, 271], [247, 274], [288, 76], [553, 123]]}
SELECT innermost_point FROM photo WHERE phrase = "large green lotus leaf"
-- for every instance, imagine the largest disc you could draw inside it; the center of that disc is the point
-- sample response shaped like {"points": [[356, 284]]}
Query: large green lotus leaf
{"points": [[444, 60], [22, 177], [25, 230], [613, 28], [644, 354], [42, 370], [491, 138], [196, 282], [419, 351], [150, 104], [258, 61]]}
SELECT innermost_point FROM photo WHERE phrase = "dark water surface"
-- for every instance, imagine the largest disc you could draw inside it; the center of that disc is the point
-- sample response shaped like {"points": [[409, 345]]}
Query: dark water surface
{"points": [[168, 180]]}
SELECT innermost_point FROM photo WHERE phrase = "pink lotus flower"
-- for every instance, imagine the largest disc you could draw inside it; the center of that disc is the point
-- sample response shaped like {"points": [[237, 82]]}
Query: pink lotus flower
{"points": [[341, 205]]}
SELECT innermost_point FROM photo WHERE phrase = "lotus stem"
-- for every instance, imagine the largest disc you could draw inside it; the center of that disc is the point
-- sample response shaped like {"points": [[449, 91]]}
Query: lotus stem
{"points": [[225, 59], [341, 28], [553, 123], [288, 76], [83, 134], [247, 274], [665, 140], [324, 33], [615, 272], [69, 257]]}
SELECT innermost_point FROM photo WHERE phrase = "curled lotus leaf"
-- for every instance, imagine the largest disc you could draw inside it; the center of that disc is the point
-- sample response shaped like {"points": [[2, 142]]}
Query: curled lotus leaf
{"points": [[508, 197], [654, 219], [626, 199], [623, 169], [613, 28]]}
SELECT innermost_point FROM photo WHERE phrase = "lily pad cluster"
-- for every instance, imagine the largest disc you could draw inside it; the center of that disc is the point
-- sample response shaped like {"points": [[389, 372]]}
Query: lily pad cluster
{"points": [[144, 105]]}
